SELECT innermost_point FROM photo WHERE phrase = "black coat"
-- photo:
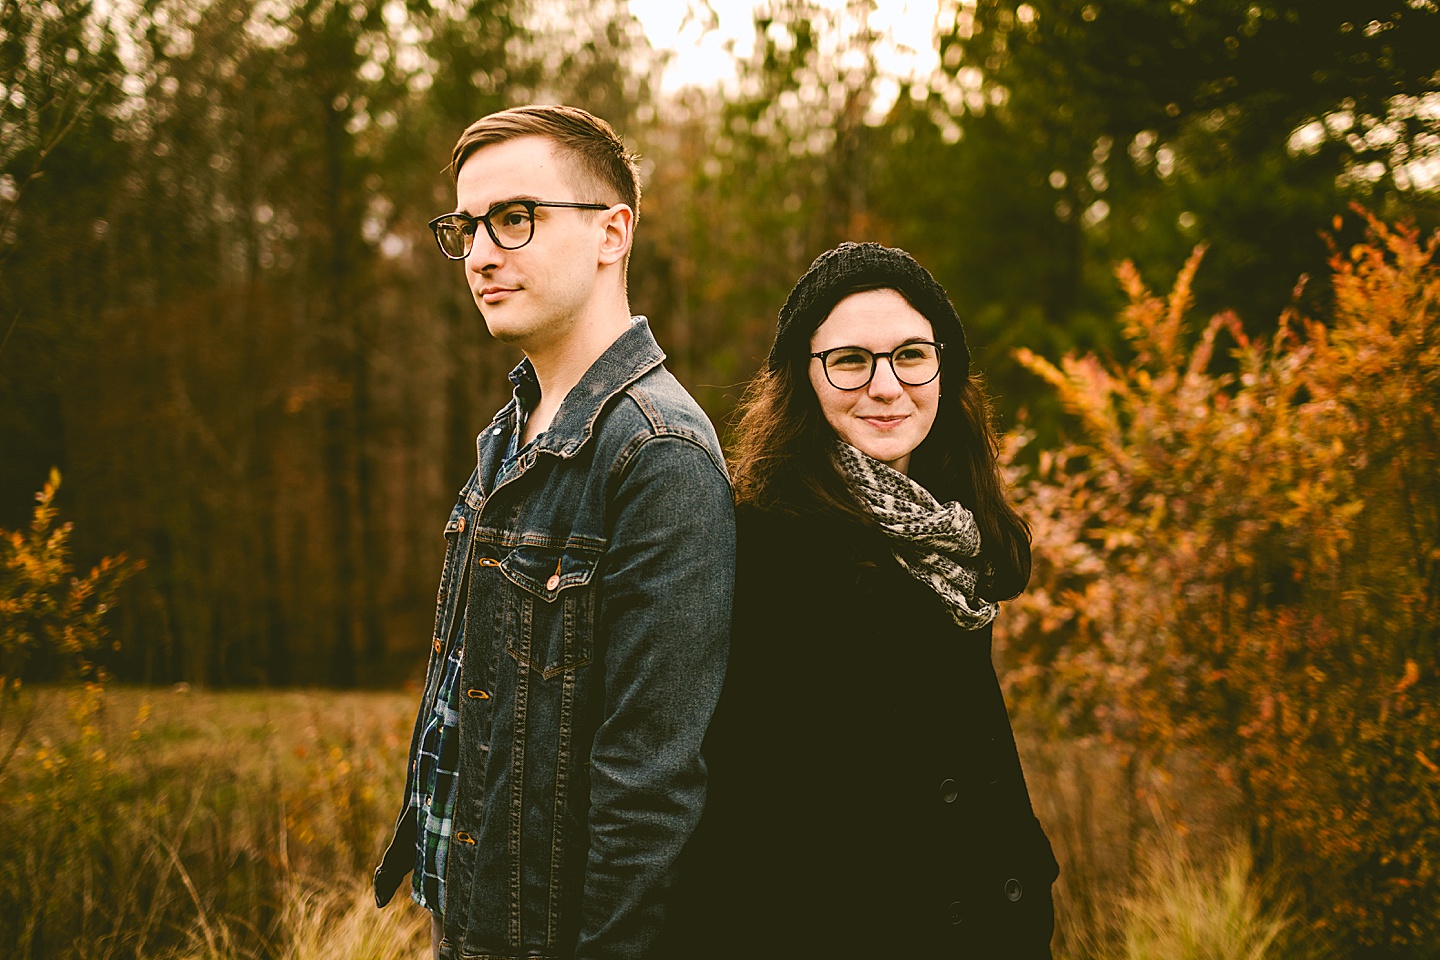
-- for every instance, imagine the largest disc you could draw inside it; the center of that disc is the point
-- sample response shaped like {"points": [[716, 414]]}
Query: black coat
{"points": [[865, 796]]}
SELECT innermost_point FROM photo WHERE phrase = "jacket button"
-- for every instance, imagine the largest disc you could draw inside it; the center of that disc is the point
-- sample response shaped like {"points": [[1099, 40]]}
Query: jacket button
{"points": [[460, 523], [957, 913], [949, 791], [1013, 890]]}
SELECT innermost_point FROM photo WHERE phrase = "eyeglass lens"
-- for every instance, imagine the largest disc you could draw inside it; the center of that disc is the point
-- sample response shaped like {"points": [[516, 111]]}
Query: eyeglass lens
{"points": [[510, 225], [914, 364]]}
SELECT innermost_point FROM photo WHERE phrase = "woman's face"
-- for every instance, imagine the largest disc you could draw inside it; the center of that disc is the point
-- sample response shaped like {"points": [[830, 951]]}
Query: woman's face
{"points": [[885, 419]]}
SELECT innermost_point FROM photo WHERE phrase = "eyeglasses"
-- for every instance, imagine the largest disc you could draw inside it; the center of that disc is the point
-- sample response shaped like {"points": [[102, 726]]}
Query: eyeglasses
{"points": [[510, 223], [851, 368]]}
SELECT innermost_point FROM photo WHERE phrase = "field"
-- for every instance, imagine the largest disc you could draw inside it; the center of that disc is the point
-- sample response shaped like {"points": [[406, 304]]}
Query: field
{"points": [[171, 824], [174, 824]]}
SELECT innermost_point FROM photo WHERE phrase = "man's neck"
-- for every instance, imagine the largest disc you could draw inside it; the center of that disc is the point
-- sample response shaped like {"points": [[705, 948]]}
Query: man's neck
{"points": [[559, 366]]}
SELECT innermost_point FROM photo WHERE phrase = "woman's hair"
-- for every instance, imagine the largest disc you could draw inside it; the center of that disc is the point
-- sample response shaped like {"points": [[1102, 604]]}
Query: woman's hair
{"points": [[781, 446]]}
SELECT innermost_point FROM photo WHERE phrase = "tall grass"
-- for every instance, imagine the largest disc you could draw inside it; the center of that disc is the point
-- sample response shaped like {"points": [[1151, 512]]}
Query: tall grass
{"points": [[170, 825], [1186, 910], [1152, 866]]}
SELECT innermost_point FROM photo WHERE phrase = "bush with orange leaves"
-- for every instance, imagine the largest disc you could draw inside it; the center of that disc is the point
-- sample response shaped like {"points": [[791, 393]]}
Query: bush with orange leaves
{"points": [[1247, 564]]}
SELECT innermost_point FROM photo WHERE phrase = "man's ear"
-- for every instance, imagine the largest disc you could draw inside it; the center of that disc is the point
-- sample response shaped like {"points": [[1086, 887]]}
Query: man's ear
{"points": [[619, 225]]}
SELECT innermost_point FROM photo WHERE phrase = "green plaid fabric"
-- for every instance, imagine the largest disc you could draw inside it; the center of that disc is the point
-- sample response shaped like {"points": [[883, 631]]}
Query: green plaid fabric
{"points": [[433, 790], [437, 762]]}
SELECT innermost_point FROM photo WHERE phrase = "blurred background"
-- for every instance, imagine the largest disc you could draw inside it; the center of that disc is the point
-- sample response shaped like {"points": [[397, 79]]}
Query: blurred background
{"points": [[224, 322]]}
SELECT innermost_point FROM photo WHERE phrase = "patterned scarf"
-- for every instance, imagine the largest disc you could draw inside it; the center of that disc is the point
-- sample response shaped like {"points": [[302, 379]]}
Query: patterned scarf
{"points": [[937, 543]]}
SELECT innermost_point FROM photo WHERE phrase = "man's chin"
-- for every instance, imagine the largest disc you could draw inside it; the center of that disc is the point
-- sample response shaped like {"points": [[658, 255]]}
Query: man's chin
{"points": [[502, 331]]}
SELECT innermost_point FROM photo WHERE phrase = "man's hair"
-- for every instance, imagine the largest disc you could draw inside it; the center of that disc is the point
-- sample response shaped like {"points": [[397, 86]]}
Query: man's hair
{"points": [[596, 148]]}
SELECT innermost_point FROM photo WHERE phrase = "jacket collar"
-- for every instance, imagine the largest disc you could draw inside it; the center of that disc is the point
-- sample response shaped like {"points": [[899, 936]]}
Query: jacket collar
{"points": [[633, 354]]}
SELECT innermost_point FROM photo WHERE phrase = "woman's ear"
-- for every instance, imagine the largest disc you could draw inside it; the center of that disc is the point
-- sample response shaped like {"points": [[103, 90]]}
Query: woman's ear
{"points": [[618, 224]]}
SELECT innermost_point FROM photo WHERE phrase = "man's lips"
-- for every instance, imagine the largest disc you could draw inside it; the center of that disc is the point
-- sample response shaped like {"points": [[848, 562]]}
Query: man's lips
{"points": [[494, 294]]}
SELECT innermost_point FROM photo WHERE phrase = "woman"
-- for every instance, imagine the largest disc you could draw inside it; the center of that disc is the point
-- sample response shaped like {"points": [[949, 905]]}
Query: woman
{"points": [[865, 798]]}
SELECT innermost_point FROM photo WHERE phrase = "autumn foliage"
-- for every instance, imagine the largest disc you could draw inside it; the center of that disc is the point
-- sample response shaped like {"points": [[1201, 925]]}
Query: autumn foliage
{"points": [[52, 622], [1240, 558]]}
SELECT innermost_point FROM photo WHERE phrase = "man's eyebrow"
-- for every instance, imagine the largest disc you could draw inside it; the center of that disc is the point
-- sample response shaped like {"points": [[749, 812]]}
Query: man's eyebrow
{"points": [[497, 203]]}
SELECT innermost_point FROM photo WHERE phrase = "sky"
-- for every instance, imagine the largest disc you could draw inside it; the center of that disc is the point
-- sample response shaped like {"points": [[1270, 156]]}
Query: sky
{"points": [[702, 59]]}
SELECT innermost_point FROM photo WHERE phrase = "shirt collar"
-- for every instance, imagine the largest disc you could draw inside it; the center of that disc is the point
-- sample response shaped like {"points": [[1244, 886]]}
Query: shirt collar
{"points": [[526, 384], [633, 354]]}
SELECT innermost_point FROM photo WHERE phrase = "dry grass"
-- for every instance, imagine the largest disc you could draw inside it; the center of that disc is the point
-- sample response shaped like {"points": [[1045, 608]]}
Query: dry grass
{"points": [[1185, 910], [173, 825], [169, 824], [1152, 866]]}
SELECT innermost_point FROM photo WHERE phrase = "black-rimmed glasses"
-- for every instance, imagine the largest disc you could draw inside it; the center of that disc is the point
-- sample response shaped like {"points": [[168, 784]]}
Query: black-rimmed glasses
{"points": [[510, 223], [851, 368]]}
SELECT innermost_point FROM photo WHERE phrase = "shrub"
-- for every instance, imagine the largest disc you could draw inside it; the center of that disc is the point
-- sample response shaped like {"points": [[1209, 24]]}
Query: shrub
{"points": [[49, 619], [1244, 559]]}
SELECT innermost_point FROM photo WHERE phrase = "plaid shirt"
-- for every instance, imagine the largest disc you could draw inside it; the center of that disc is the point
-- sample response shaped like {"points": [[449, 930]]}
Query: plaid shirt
{"points": [[433, 790], [437, 761]]}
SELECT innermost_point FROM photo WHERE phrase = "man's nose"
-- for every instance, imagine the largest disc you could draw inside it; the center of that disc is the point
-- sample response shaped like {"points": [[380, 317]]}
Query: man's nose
{"points": [[485, 255]]}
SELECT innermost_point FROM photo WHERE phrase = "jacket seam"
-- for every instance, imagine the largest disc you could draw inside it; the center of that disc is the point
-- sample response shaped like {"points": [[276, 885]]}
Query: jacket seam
{"points": [[626, 455]]}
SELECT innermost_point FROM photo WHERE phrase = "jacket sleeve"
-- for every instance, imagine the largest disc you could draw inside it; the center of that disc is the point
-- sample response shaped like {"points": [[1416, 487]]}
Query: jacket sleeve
{"points": [[665, 626]]}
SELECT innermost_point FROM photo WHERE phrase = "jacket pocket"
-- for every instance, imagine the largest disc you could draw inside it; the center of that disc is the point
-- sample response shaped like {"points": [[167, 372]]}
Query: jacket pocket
{"points": [[552, 600]]}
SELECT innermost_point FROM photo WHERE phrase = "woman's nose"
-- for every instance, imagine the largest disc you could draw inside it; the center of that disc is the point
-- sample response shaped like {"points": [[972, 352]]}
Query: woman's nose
{"points": [[884, 385]]}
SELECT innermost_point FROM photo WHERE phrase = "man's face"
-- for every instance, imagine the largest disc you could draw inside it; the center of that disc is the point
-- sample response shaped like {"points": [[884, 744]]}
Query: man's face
{"points": [[533, 297]]}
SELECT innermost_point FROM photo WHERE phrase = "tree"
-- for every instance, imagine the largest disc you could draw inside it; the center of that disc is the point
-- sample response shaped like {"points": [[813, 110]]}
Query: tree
{"points": [[1128, 128], [60, 86]]}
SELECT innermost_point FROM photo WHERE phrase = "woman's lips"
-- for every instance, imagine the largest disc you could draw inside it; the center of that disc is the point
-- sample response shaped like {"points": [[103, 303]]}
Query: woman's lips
{"points": [[885, 423]]}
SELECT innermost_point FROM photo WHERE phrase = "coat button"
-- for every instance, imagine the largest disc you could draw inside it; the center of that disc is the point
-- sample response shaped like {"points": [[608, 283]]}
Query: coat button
{"points": [[957, 913], [552, 583], [949, 791], [1013, 890], [460, 524]]}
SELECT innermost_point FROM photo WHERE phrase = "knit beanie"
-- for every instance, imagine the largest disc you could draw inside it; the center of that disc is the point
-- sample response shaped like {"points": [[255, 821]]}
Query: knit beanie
{"points": [[837, 273]]}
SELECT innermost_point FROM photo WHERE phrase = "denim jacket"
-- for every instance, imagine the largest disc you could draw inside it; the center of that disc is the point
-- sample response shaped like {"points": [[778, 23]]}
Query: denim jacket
{"points": [[597, 580]]}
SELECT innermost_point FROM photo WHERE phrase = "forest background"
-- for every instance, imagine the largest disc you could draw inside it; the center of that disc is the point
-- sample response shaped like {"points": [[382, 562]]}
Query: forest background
{"points": [[223, 320]]}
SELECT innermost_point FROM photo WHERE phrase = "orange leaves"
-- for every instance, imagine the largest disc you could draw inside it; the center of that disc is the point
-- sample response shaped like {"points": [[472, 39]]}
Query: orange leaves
{"points": [[1412, 675], [45, 611], [1243, 558]]}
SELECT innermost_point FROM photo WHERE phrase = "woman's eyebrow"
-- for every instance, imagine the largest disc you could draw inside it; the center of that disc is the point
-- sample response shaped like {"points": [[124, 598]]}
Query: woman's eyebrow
{"points": [[907, 341]]}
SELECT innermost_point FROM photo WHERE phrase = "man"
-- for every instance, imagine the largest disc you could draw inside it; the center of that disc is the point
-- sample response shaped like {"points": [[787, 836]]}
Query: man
{"points": [[584, 606]]}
